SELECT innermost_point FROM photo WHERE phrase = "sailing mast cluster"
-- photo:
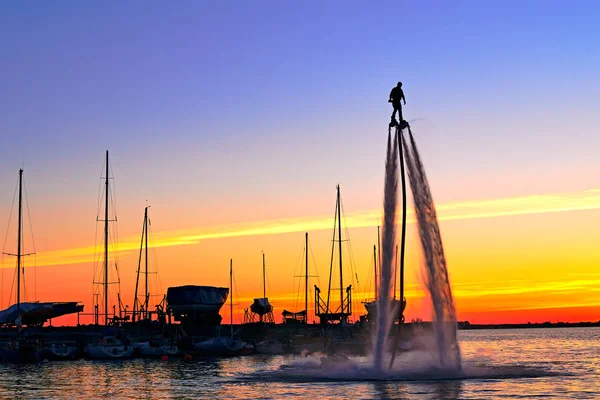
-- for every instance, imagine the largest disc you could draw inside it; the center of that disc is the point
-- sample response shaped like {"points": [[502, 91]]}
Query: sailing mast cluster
{"points": [[140, 310]]}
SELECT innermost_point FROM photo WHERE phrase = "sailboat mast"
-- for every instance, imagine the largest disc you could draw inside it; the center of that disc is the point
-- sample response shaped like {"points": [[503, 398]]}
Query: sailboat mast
{"points": [[264, 279], [137, 279], [395, 271], [339, 209], [378, 252], [306, 283], [231, 296], [19, 240], [146, 231], [106, 246], [375, 267]]}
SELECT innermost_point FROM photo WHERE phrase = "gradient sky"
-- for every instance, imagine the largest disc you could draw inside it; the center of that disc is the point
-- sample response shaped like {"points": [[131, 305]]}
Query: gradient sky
{"points": [[235, 121]]}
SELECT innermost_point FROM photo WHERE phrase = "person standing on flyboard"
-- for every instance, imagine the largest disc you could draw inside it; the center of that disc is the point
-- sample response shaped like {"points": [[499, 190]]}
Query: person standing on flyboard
{"points": [[397, 95]]}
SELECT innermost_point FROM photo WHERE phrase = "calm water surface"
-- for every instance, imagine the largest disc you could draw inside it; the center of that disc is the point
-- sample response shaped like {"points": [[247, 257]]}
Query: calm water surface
{"points": [[527, 363]]}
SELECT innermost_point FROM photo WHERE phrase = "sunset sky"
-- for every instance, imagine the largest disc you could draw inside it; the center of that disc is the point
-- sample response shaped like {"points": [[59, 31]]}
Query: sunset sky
{"points": [[235, 121]]}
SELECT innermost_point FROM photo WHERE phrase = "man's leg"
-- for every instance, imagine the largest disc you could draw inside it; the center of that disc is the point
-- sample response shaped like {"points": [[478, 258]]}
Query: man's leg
{"points": [[400, 118]]}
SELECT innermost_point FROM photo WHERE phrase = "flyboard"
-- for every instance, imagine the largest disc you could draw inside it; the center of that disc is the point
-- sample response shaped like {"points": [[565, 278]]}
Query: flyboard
{"points": [[402, 125]]}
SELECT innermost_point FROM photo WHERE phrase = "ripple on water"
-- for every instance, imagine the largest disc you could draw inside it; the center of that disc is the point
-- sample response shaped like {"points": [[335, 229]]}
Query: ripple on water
{"points": [[562, 363]]}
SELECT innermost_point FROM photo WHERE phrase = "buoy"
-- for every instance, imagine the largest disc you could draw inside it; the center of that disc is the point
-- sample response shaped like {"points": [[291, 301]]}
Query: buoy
{"points": [[164, 358], [187, 357]]}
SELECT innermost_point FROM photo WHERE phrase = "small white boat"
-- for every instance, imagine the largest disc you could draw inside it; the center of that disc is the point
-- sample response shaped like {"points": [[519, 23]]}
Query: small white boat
{"points": [[146, 350], [109, 347], [59, 351], [224, 346], [221, 346], [270, 347]]}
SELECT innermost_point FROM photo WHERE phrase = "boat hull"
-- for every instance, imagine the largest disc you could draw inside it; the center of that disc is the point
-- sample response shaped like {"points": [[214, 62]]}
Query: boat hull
{"points": [[270, 347], [190, 301], [53, 355], [109, 352], [221, 347], [156, 351]]}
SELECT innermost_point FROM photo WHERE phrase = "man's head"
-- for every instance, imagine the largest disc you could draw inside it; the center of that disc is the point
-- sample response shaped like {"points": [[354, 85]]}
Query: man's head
{"points": [[399, 84]]}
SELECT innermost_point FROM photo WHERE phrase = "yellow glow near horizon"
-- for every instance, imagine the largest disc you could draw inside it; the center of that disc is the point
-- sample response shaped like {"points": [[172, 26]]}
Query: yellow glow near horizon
{"points": [[524, 205]]}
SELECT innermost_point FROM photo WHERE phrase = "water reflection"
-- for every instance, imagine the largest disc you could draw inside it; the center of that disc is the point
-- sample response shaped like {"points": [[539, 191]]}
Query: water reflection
{"points": [[571, 353], [390, 390], [447, 390]]}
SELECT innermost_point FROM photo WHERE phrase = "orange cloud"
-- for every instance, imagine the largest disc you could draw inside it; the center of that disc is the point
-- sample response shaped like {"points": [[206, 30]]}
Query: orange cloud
{"points": [[524, 205]]}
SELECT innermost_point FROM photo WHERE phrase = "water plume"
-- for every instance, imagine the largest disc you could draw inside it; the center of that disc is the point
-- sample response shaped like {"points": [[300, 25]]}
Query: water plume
{"points": [[384, 311], [435, 267]]}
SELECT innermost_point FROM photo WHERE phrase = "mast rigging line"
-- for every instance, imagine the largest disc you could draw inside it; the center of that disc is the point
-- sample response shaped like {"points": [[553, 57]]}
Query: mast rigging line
{"points": [[154, 258], [353, 270], [296, 269], [332, 256], [10, 216], [12, 207], [314, 263], [370, 279]]}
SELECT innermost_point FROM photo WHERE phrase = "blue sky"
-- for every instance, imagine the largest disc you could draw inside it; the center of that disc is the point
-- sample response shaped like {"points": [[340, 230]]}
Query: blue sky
{"points": [[221, 92]]}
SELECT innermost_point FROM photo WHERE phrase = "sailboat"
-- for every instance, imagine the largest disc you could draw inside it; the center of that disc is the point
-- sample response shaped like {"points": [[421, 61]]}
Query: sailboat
{"points": [[19, 349], [140, 309], [323, 309], [224, 346], [108, 346], [141, 313], [303, 342], [105, 272], [28, 313]]}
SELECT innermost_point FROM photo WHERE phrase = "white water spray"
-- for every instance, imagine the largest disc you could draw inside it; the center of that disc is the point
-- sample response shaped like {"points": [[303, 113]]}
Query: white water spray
{"points": [[435, 268], [384, 312]]}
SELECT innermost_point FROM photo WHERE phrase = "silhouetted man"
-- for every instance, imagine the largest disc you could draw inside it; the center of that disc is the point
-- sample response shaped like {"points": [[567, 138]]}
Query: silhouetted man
{"points": [[396, 95]]}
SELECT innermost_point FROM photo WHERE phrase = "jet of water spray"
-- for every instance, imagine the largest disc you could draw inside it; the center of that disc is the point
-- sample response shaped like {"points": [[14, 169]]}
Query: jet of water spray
{"points": [[384, 311], [435, 268]]}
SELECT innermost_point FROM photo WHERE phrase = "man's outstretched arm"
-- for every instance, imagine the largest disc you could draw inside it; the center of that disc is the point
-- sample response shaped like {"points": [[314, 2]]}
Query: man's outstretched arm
{"points": [[392, 91], [403, 98]]}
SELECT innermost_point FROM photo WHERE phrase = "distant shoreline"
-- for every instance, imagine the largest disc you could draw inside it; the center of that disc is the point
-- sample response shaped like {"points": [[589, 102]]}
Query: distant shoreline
{"points": [[465, 325]]}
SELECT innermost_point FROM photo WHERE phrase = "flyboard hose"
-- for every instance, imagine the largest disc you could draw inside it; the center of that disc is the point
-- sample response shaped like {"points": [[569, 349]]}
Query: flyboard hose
{"points": [[402, 241]]}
